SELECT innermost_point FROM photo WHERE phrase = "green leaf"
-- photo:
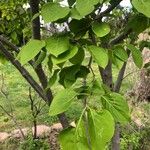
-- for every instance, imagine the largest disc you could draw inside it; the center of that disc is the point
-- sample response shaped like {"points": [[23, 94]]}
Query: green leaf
{"points": [[62, 101], [120, 53], [14, 35], [97, 89], [117, 61], [30, 50], [99, 55], [67, 139], [83, 72], [65, 56], [138, 23], [147, 66], [85, 7], [50, 63], [68, 75], [142, 6], [136, 55], [117, 106], [78, 26], [100, 128], [143, 44], [81, 134], [78, 58], [3, 59], [106, 88], [100, 29], [57, 1], [75, 14], [83, 92], [56, 45], [53, 78], [40, 59], [53, 11]]}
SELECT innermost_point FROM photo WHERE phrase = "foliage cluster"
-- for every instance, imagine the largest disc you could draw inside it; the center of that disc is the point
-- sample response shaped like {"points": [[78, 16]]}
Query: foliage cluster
{"points": [[88, 32]]}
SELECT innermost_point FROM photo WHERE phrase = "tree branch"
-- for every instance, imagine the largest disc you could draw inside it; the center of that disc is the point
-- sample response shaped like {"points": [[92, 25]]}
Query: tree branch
{"points": [[62, 116], [120, 38], [120, 78], [34, 6], [10, 114], [9, 44], [23, 72], [108, 10]]}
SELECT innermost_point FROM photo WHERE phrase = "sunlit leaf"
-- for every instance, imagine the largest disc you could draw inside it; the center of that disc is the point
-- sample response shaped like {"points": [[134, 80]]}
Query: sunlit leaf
{"points": [[120, 53], [117, 105], [62, 101], [30, 50], [100, 129], [67, 139], [142, 6], [56, 45], [99, 55], [100, 29], [65, 56], [136, 55], [53, 11], [53, 78]]}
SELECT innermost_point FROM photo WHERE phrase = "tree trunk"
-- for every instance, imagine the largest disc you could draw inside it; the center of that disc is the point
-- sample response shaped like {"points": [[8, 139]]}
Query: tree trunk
{"points": [[116, 138], [34, 5]]}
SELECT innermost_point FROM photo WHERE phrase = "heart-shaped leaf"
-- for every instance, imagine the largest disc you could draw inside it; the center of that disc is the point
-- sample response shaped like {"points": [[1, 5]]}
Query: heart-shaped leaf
{"points": [[53, 11], [100, 29], [62, 101], [30, 50], [99, 55]]}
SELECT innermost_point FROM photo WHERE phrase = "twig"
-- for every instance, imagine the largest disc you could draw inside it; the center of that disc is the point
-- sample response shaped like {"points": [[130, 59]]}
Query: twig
{"points": [[86, 123], [34, 113], [11, 115], [120, 38], [130, 74], [108, 10]]}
